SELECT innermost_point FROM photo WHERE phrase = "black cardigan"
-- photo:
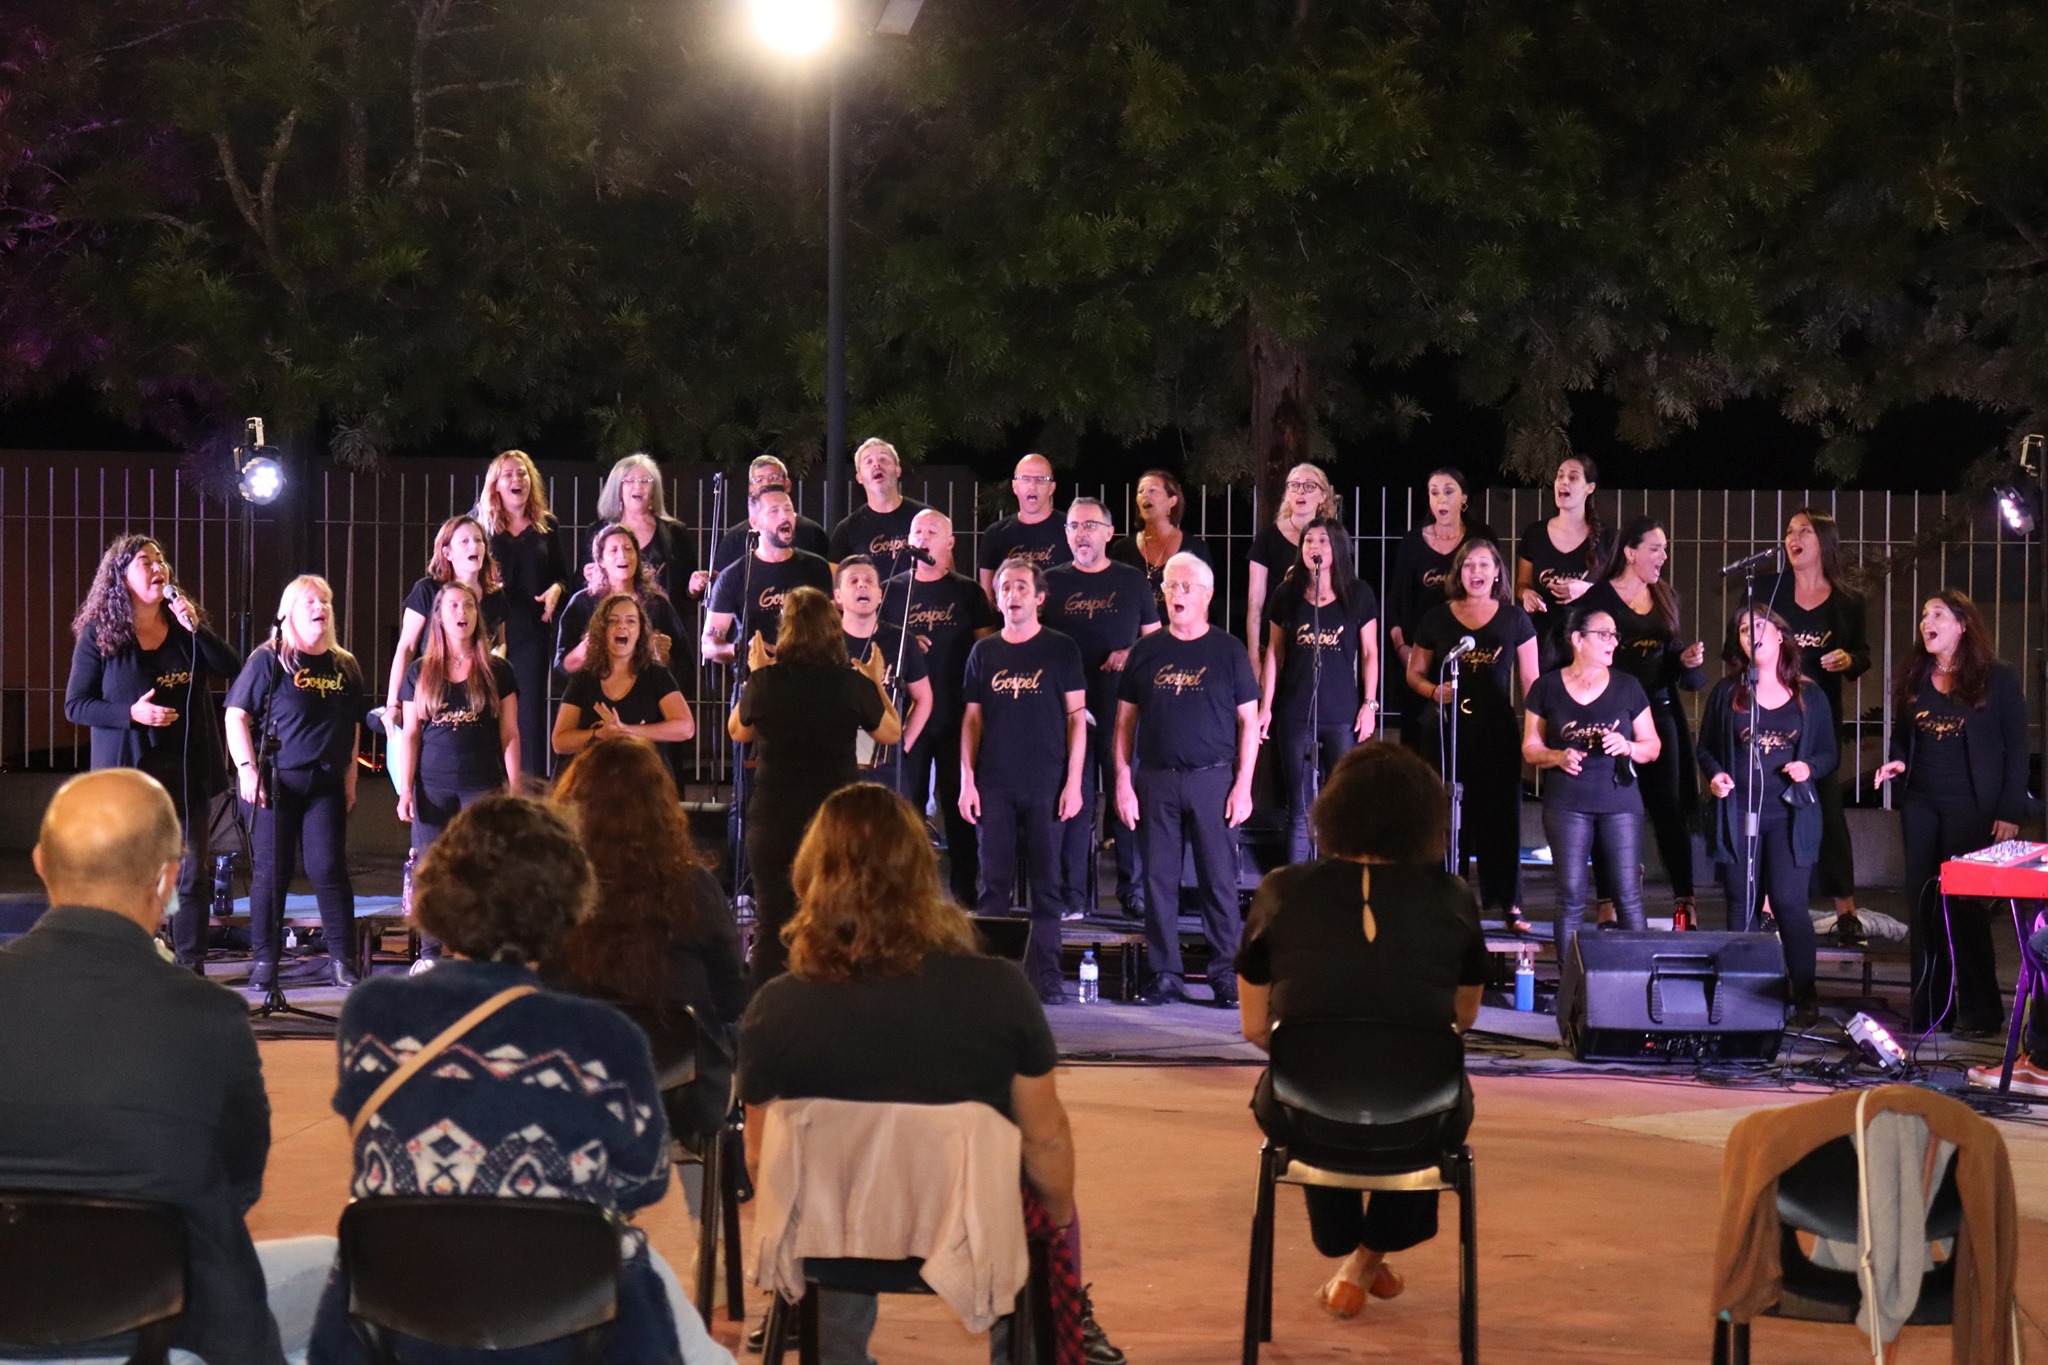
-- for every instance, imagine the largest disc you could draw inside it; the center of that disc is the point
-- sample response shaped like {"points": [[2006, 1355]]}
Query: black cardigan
{"points": [[101, 691], [1719, 748], [1994, 741]]}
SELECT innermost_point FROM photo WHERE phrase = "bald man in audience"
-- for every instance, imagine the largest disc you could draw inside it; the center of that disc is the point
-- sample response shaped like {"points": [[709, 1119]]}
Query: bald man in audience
{"points": [[128, 1077]]}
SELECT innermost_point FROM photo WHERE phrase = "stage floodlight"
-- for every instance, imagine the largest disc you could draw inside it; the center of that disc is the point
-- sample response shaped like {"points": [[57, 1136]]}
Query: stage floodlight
{"points": [[795, 27], [261, 480], [2015, 508], [1876, 1043]]}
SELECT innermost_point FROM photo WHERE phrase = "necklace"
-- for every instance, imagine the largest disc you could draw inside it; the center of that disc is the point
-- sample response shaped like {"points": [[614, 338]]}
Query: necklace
{"points": [[1943, 669]]}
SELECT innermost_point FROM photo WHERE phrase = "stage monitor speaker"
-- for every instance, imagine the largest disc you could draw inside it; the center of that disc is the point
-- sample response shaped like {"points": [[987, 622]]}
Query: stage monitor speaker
{"points": [[1002, 935], [1674, 997]]}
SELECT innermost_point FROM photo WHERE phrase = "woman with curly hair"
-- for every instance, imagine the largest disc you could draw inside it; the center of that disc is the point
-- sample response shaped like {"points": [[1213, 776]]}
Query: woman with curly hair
{"points": [[620, 689], [620, 569], [660, 935], [1960, 741], [514, 509], [544, 1096], [138, 679], [461, 554], [886, 1000], [800, 709]]}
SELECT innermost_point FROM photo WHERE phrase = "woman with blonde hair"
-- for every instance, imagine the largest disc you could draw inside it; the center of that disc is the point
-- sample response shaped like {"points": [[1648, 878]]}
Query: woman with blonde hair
{"points": [[632, 497], [887, 1001], [294, 717], [461, 554], [514, 510], [1307, 497], [459, 736], [801, 709]]}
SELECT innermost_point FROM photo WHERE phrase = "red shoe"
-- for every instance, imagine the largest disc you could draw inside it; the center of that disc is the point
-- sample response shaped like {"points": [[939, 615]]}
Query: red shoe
{"points": [[2027, 1079], [1387, 1282], [1341, 1299]]}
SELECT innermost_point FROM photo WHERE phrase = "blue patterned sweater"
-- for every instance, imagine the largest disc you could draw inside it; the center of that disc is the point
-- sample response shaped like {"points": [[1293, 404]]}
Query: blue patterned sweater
{"points": [[553, 1097]]}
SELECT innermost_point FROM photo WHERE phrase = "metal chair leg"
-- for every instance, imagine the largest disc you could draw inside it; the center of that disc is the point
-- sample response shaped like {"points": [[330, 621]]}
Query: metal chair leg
{"points": [[732, 1163], [807, 1326], [775, 1339], [1274, 1162], [1720, 1340], [708, 1211], [1258, 1282], [1468, 1260]]}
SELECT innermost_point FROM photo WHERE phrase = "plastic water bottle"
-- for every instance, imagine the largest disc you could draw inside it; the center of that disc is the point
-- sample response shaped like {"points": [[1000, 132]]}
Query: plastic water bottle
{"points": [[1091, 978], [1525, 981]]}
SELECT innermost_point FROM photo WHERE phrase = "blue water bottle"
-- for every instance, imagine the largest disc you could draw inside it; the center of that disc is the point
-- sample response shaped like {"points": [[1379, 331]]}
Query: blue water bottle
{"points": [[1525, 980]]}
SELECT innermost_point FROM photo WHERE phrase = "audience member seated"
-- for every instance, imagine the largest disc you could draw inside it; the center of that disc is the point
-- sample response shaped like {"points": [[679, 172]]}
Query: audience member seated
{"points": [[886, 1000], [1373, 929], [661, 935], [550, 1097], [131, 1078]]}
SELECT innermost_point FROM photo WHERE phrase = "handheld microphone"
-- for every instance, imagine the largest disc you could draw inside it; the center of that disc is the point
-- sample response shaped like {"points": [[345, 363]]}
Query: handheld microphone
{"points": [[920, 554], [171, 593], [1750, 562], [1466, 644]]}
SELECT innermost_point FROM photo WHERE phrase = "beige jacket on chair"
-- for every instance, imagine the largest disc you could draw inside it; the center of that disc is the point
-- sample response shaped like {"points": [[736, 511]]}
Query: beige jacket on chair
{"points": [[888, 1181]]}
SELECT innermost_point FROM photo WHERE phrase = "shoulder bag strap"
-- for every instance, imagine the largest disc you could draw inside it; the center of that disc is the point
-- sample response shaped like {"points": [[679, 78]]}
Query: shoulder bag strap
{"points": [[440, 1044]]}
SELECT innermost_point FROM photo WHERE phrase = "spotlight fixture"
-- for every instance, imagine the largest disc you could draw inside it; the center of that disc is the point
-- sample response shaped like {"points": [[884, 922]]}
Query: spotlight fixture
{"points": [[1877, 1045], [258, 474], [795, 27], [2015, 508]]}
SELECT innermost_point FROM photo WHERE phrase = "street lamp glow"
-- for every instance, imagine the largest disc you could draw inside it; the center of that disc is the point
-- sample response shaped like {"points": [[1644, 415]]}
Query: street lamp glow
{"points": [[797, 27]]}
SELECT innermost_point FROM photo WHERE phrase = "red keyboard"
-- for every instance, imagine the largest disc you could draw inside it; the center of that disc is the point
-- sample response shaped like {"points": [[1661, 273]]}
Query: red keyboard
{"points": [[2014, 868]]}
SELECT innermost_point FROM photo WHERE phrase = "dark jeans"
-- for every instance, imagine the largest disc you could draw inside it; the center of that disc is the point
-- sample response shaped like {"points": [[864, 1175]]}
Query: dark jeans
{"points": [[1664, 805], [1574, 837], [1955, 946], [308, 811], [436, 804], [775, 828], [1098, 776], [195, 876], [530, 660], [1835, 873], [940, 745], [1782, 881], [1490, 832], [1342, 1221], [1030, 819], [1293, 741], [1176, 809]]}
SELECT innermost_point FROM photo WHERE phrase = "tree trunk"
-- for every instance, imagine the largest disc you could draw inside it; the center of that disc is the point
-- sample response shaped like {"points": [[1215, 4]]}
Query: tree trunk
{"points": [[1280, 409]]}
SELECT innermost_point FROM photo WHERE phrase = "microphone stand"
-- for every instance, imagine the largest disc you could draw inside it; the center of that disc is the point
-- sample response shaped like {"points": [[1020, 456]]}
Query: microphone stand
{"points": [[742, 870], [1453, 858], [1312, 781], [902, 648], [274, 1002]]}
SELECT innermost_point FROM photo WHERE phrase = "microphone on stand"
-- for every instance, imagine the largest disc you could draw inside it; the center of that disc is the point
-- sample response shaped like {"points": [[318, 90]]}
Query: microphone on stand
{"points": [[919, 553], [1750, 561], [1466, 644]]}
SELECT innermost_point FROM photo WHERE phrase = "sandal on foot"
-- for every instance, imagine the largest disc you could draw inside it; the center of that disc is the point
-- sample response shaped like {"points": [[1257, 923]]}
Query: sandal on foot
{"points": [[1387, 1282], [1341, 1299]]}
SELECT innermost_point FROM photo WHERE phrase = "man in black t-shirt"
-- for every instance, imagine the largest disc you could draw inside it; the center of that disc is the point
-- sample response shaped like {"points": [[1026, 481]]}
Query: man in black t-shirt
{"points": [[747, 599], [1034, 533], [858, 594], [880, 529], [946, 613], [1187, 734], [1104, 606], [1020, 759], [764, 473]]}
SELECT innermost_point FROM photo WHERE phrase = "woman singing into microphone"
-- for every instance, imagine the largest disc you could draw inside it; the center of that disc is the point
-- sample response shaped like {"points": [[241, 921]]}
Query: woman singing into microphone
{"points": [[462, 554], [1322, 669], [138, 680], [1960, 741], [1763, 749], [1496, 644]]}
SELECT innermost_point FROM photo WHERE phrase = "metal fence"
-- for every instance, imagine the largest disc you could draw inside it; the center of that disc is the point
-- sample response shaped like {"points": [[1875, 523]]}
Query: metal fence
{"points": [[369, 534]]}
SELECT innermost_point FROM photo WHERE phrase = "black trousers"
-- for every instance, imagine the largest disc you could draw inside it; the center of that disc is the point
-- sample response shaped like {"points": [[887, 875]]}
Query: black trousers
{"points": [[1178, 809], [1664, 803], [436, 803], [1342, 1221], [1490, 763], [939, 746], [1293, 740], [1010, 819], [195, 880], [1954, 947], [531, 662], [1098, 779], [1835, 873], [307, 815], [1783, 881], [776, 821]]}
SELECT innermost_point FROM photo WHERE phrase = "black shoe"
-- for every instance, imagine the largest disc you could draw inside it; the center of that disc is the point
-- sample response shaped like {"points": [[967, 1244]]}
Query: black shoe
{"points": [[262, 974], [1096, 1347], [757, 1336], [1805, 1013], [1224, 995], [342, 975], [1849, 931], [1976, 1033], [1162, 990], [1052, 991]]}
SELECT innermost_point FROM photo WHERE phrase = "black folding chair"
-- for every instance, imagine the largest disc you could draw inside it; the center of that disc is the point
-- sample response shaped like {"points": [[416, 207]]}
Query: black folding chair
{"points": [[1818, 1196], [1374, 1106], [76, 1269], [1031, 1338], [480, 1274]]}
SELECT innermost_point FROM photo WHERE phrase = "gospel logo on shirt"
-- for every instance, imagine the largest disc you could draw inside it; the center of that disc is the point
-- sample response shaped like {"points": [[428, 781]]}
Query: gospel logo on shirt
{"points": [[326, 684], [1179, 680], [1938, 727], [771, 599], [455, 718], [1015, 685], [1584, 734], [924, 619], [1483, 658], [1768, 741], [166, 682], [1645, 646], [1080, 604], [1305, 635], [1807, 639], [887, 546], [1549, 578], [1434, 579]]}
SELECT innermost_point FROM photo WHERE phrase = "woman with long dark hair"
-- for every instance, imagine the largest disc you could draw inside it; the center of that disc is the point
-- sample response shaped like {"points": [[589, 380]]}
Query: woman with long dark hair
{"points": [[660, 935], [1588, 727], [801, 709], [138, 679], [1764, 748], [620, 689], [1959, 738], [514, 509], [1494, 674], [1829, 624], [1422, 561], [1634, 593], [1159, 535], [461, 554], [620, 569], [295, 716], [1307, 497], [1559, 558], [1322, 669], [459, 736]]}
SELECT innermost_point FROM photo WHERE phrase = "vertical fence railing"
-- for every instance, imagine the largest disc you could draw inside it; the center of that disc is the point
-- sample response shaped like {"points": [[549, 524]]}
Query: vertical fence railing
{"points": [[370, 534]]}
